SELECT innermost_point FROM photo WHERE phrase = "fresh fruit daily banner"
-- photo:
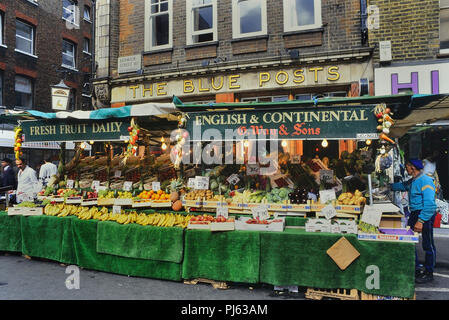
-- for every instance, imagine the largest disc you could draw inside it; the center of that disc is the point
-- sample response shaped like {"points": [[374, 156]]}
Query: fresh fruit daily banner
{"points": [[75, 130], [355, 122]]}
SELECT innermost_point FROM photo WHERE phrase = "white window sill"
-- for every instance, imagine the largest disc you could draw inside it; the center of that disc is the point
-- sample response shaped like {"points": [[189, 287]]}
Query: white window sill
{"points": [[88, 21], [34, 2], [26, 53], [3, 45], [69, 67], [311, 28], [72, 23], [86, 95], [88, 53]]}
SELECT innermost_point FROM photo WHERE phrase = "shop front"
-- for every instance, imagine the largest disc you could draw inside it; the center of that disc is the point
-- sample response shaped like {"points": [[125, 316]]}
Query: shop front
{"points": [[228, 200]]}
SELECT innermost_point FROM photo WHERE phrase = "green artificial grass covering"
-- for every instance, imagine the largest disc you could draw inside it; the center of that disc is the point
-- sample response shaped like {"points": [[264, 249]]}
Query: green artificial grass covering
{"points": [[225, 256], [295, 257], [143, 242], [47, 237], [85, 243], [10, 233]]}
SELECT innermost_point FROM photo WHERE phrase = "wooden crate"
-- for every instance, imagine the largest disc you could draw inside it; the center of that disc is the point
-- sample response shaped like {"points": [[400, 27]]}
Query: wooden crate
{"points": [[106, 201], [342, 294], [366, 296], [215, 284], [25, 211]]}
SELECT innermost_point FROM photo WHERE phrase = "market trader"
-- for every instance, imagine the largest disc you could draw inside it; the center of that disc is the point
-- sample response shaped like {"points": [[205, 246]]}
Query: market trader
{"points": [[421, 191], [48, 169], [27, 183]]}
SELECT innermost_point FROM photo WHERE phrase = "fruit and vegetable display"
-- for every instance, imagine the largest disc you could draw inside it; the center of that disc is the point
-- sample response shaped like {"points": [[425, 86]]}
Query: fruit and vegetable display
{"points": [[367, 228], [299, 195], [200, 194], [348, 198]]}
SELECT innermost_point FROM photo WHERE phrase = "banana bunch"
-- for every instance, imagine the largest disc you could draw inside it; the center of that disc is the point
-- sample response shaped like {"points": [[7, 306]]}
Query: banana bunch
{"points": [[53, 210], [87, 214], [102, 214], [126, 218], [163, 220], [68, 211]]}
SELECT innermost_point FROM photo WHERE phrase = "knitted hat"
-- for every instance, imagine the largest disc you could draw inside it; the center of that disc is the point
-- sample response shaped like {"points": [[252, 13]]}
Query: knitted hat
{"points": [[417, 163]]}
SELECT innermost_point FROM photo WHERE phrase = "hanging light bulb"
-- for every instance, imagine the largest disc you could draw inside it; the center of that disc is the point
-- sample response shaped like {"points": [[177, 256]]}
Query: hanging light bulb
{"points": [[368, 142], [82, 145], [91, 142], [246, 144], [162, 139], [164, 146], [284, 143], [324, 143]]}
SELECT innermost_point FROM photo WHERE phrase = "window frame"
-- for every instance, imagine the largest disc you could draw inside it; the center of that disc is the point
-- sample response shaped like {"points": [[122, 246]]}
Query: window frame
{"points": [[32, 40], [74, 54], [88, 46], [236, 34], [75, 21], [149, 27], [442, 51], [289, 27], [1, 87], [84, 13], [2, 42], [32, 90], [189, 23]]}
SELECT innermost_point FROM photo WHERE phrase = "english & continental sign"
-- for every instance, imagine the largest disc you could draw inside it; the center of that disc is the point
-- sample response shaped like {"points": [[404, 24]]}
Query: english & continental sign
{"points": [[75, 130], [315, 123]]}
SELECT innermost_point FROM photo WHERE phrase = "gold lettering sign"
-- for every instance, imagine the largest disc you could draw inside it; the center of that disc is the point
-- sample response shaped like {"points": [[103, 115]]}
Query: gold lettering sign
{"points": [[244, 81]]}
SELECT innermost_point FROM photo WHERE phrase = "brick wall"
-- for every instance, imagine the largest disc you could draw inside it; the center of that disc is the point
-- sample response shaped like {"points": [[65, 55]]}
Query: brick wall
{"points": [[341, 31], [45, 69], [411, 26]]}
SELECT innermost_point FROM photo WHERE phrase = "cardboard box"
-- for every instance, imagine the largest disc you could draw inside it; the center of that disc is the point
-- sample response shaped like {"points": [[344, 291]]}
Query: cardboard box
{"points": [[25, 211], [89, 202], [106, 202], [74, 200], [196, 226], [161, 204], [318, 225], [142, 204], [222, 226]]}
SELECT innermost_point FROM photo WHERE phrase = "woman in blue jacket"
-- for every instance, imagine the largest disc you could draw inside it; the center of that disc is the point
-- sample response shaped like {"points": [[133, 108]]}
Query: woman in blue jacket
{"points": [[421, 192]]}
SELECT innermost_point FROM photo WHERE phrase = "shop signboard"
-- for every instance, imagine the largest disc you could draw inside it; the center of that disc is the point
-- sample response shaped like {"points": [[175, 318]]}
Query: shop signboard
{"points": [[342, 122], [75, 130]]}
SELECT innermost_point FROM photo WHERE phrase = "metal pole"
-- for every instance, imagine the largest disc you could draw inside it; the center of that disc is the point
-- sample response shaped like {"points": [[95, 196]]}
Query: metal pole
{"points": [[370, 188]]}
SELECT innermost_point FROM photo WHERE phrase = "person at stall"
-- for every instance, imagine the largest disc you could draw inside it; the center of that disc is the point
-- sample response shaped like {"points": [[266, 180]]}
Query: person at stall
{"points": [[8, 177], [421, 191], [27, 182], [430, 168], [47, 170]]}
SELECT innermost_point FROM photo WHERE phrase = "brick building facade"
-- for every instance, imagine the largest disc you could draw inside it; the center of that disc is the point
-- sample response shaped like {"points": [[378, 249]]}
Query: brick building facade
{"points": [[207, 51], [34, 35]]}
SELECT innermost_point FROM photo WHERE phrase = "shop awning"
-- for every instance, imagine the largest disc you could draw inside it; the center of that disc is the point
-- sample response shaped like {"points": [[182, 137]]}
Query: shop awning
{"points": [[424, 110], [140, 110]]}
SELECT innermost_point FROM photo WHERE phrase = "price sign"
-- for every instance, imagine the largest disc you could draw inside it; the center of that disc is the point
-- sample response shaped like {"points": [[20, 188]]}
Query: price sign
{"points": [[95, 184], [191, 183], [117, 209], [117, 174], [156, 186], [101, 188], [260, 212], [329, 212], [327, 195], [252, 169], [222, 211], [233, 179], [201, 183], [70, 184], [371, 215], [127, 185], [327, 175]]}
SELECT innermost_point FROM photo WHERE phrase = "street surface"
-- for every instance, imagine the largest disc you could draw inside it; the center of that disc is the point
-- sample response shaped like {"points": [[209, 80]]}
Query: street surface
{"points": [[37, 279]]}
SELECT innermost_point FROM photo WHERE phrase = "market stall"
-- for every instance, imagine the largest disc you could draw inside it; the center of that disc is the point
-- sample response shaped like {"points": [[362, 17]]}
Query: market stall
{"points": [[131, 210]]}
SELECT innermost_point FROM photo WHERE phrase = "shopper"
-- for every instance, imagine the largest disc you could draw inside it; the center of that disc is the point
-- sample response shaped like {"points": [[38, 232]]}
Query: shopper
{"points": [[8, 177], [421, 190], [47, 170], [27, 183], [430, 168]]}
